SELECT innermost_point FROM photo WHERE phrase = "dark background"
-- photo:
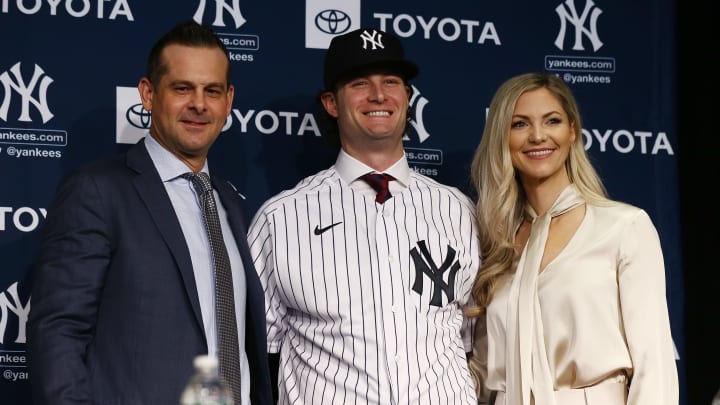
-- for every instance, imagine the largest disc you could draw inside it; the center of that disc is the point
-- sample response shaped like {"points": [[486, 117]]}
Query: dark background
{"points": [[694, 29], [699, 160]]}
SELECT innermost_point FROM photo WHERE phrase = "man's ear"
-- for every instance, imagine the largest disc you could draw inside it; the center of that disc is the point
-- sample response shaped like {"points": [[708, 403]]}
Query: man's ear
{"points": [[329, 103], [145, 88]]}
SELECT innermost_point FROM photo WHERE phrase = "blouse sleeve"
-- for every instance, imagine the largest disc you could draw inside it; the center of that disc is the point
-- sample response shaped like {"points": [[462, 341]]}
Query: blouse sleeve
{"points": [[479, 360], [641, 279]]}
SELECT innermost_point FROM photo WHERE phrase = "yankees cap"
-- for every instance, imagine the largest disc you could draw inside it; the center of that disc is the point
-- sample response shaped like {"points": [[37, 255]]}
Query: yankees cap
{"points": [[365, 48]]}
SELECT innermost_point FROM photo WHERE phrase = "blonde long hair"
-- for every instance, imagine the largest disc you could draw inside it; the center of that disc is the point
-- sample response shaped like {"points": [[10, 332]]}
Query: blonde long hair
{"points": [[501, 198]]}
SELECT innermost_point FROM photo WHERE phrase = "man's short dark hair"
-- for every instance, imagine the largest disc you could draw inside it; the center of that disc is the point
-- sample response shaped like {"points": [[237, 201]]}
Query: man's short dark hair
{"points": [[188, 33]]}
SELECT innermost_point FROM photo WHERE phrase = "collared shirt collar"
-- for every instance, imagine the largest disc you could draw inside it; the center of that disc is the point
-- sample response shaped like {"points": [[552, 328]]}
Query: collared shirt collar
{"points": [[168, 165], [350, 169]]}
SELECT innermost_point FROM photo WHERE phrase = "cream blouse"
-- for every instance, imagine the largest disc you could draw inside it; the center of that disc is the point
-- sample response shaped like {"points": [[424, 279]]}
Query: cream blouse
{"points": [[603, 310]]}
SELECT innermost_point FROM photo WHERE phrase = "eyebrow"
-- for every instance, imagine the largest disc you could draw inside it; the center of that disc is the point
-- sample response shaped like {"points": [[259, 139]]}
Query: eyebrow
{"points": [[192, 84], [543, 116]]}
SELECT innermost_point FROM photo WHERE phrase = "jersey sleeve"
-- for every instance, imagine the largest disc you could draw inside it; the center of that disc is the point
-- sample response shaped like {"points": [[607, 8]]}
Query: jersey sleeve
{"points": [[260, 239]]}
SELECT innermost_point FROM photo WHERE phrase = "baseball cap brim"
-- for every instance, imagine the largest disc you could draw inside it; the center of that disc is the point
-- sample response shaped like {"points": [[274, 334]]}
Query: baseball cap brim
{"points": [[403, 68]]}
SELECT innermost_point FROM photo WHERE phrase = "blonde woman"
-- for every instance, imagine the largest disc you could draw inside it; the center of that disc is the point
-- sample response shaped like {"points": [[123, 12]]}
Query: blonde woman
{"points": [[570, 299]]}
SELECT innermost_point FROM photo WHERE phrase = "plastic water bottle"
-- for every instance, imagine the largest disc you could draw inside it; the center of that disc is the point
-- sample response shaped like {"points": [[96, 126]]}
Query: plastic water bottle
{"points": [[206, 387]]}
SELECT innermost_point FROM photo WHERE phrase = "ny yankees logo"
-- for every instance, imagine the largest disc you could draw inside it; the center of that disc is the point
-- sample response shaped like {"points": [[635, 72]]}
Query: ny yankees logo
{"points": [[16, 307], [571, 15], [221, 6], [375, 39], [14, 80], [424, 264], [418, 103]]}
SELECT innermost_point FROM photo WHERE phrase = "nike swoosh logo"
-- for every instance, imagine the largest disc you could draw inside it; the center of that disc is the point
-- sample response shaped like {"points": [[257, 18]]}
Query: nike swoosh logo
{"points": [[320, 231]]}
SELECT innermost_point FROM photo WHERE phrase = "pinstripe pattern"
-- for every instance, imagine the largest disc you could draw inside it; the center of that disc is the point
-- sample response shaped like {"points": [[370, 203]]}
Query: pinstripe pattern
{"points": [[340, 305]]}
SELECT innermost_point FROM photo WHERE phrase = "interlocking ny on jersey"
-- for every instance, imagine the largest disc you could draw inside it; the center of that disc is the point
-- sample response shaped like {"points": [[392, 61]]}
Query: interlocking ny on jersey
{"points": [[424, 265], [365, 299]]}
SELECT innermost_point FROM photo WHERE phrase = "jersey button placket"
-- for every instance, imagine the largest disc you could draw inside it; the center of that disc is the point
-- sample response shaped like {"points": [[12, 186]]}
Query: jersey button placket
{"points": [[390, 289]]}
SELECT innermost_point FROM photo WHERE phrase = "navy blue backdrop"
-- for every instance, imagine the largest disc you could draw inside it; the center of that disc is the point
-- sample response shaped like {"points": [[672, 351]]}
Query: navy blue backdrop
{"points": [[69, 71]]}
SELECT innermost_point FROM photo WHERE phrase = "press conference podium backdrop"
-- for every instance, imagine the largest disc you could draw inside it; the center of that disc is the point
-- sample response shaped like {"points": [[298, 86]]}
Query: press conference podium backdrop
{"points": [[68, 95]]}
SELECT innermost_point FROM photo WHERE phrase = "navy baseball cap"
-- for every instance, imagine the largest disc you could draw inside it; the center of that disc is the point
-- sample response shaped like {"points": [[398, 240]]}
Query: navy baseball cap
{"points": [[363, 49]]}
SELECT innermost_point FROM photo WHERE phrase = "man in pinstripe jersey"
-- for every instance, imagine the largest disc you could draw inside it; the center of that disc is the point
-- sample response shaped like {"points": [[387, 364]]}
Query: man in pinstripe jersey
{"points": [[363, 297]]}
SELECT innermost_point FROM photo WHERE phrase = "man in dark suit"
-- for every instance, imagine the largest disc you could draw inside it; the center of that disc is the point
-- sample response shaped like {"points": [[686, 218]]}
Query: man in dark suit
{"points": [[123, 295]]}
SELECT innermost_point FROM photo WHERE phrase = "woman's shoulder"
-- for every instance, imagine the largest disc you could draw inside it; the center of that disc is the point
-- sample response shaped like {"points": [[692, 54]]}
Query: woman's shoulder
{"points": [[619, 212]]}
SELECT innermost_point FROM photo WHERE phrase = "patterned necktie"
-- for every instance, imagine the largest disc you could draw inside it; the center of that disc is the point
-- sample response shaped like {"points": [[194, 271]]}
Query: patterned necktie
{"points": [[379, 182], [228, 347]]}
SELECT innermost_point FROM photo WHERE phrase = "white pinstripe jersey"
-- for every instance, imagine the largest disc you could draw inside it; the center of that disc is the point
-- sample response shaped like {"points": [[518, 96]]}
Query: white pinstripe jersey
{"points": [[351, 302]]}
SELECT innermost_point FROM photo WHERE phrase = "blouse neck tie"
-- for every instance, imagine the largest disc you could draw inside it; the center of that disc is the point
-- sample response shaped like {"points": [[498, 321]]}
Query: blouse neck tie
{"points": [[527, 364]]}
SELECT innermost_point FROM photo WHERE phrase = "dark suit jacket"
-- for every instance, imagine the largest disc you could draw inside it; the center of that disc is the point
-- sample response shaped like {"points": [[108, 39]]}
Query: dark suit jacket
{"points": [[115, 316]]}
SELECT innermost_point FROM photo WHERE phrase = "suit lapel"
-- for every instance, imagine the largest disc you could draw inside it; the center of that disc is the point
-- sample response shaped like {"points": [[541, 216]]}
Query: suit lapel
{"points": [[234, 207], [255, 337], [255, 308], [236, 211], [152, 191]]}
